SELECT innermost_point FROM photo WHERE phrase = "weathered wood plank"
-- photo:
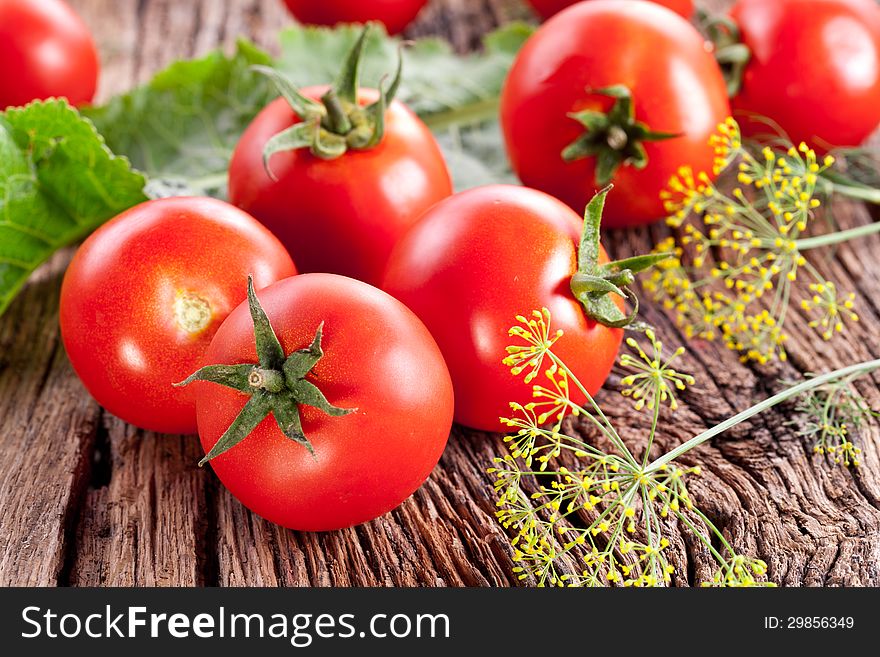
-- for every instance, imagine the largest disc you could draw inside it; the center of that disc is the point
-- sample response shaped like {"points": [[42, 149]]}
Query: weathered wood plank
{"points": [[46, 443], [145, 521]]}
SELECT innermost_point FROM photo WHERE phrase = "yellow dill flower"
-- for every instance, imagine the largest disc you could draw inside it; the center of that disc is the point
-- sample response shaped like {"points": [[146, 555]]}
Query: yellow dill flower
{"points": [[595, 521], [654, 380], [535, 331], [741, 252], [834, 413]]}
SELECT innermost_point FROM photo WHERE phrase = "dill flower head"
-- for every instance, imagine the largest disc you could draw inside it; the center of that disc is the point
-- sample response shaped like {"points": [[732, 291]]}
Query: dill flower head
{"points": [[584, 516], [653, 375], [535, 332], [739, 253], [834, 413]]}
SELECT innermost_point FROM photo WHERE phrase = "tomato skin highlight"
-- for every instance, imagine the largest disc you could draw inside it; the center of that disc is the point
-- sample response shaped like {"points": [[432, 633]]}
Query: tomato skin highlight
{"points": [[46, 50], [471, 265], [344, 215], [144, 295], [394, 14], [814, 69], [548, 8], [676, 84], [378, 358]]}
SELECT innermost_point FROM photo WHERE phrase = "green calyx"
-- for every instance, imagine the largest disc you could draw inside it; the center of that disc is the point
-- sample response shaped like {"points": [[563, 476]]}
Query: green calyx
{"points": [[614, 138], [277, 385], [593, 283], [731, 53], [337, 123]]}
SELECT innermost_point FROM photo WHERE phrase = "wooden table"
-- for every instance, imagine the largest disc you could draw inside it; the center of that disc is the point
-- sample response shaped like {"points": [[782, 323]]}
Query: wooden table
{"points": [[87, 500]]}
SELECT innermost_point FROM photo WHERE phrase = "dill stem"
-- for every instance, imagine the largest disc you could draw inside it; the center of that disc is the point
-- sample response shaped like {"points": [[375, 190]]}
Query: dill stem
{"points": [[837, 237], [705, 540], [654, 420], [860, 192], [804, 386], [608, 428]]}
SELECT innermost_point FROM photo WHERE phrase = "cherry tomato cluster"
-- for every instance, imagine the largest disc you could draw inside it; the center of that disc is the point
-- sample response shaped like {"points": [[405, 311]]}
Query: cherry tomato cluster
{"points": [[629, 92], [323, 391], [320, 400]]}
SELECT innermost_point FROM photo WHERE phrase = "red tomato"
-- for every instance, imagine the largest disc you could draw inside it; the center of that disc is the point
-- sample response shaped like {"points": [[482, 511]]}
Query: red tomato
{"points": [[547, 8], [394, 14], [341, 215], [814, 69], [45, 51], [377, 358], [676, 87], [145, 294], [471, 265]]}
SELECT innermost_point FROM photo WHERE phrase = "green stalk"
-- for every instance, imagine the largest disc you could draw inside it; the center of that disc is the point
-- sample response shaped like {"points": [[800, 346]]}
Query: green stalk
{"points": [[838, 236], [477, 112], [608, 429], [859, 192], [809, 384], [653, 433]]}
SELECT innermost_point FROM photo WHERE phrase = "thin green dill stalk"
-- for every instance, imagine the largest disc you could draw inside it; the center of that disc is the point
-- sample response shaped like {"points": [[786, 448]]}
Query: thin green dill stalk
{"points": [[829, 239], [781, 295], [599, 519], [837, 237], [815, 273], [760, 222], [609, 429], [653, 433], [860, 192], [711, 526], [650, 518], [705, 539], [581, 446], [604, 429], [612, 541], [809, 384]]}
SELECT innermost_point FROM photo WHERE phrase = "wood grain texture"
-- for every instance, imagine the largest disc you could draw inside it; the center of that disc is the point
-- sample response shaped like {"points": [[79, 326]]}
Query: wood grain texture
{"points": [[88, 500]]}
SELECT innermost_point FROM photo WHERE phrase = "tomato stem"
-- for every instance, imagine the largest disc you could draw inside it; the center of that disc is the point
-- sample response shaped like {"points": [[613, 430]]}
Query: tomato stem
{"points": [[593, 282], [614, 138], [337, 119], [270, 380], [731, 53], [276, 386], [338, 123]]}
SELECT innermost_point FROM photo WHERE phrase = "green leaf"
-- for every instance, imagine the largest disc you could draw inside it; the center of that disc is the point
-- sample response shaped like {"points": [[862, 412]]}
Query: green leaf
{"points": [[433, 84], [58, 182], [590, 247], [301, 361], [181, 128], [299, 135], [348, 80], [475, 156]]}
